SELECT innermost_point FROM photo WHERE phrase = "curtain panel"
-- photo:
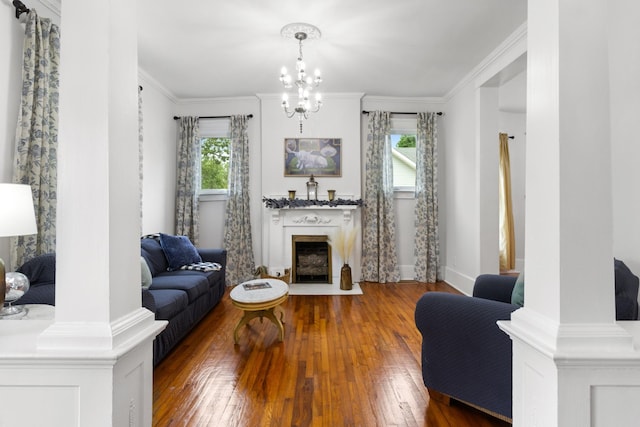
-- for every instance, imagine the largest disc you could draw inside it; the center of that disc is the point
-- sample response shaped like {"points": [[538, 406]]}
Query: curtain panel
{"points": [[140, 151], [36, 141], [379, 255], [507, 233], [427, 242], [188, 179], [237, 225]]}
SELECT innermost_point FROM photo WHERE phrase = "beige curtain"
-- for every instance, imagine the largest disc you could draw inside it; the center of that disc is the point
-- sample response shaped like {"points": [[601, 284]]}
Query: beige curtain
{"points": [[507, 235]]}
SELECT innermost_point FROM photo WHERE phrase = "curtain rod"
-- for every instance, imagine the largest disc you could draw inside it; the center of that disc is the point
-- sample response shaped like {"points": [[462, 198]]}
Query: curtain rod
{"points": [[250, 116], [398, 112], [20, 8]]}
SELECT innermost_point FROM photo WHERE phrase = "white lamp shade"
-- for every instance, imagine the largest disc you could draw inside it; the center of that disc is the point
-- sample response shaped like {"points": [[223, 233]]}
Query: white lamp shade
{"points": [[17, 217]]}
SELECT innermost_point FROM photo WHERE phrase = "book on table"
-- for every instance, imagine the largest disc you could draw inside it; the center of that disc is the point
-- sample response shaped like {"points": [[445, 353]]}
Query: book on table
{"points": [[255, 285]]}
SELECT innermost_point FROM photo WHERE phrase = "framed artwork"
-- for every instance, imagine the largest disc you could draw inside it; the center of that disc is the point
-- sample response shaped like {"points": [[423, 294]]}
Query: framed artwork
{"points": [[317, 156]]}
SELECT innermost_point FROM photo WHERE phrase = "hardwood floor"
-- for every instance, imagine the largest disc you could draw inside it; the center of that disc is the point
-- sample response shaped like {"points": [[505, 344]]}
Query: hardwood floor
{"points": [[345, 361]]}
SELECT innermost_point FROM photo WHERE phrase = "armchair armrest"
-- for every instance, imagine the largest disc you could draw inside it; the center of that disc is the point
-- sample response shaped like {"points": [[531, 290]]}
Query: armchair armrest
{"points": [[464, 353], [494, 287]]}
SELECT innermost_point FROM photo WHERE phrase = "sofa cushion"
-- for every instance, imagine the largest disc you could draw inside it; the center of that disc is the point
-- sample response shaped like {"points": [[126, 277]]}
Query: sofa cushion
{"points": [[517, 295], [40, 270], [169, 302], [194, 285], [152, 252], [179, 251]]}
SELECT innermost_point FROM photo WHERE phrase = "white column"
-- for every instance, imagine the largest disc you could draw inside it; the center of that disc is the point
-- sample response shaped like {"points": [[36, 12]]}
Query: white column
{"points": [[572, 364], [93, 363], [487, 162]]}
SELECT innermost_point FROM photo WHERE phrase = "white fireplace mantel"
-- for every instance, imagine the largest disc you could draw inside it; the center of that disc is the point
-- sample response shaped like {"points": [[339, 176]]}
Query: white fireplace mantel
{"points": [[309, 220]]}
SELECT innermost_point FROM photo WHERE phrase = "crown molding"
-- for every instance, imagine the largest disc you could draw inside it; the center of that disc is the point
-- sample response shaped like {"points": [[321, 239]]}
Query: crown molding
{"points": [[405, 100], [54, 6], [325, 95], [142, 74], [516, 43], [227, 99]]}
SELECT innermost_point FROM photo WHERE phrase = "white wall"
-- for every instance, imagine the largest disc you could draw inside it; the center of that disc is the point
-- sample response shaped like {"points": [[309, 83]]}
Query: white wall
{"points": [[159, 158], [625, 110]]}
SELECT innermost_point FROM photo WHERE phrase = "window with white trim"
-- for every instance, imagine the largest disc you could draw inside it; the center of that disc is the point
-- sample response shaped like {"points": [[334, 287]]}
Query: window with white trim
{"points": [[215, 152], [403, 150]]}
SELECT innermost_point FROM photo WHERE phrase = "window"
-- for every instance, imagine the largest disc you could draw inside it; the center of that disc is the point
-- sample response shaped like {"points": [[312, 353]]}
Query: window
{"points": [[403, 151], [215, 152], [214, 158]]}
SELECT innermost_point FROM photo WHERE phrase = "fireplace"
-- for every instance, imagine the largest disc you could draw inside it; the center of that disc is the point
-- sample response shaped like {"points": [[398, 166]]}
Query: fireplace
{"points": [[281, 225], [311, 259]]}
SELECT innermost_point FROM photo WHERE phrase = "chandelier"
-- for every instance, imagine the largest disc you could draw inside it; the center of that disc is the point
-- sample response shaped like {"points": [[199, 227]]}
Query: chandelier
{"points": [[303, 83]]}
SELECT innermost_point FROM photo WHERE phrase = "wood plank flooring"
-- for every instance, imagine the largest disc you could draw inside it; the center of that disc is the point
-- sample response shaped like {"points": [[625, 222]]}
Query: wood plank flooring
{"points": [[345, 361]]}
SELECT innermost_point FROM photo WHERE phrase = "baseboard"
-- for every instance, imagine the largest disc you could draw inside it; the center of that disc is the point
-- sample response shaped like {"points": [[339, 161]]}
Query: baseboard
{"points": [[459, 281]]}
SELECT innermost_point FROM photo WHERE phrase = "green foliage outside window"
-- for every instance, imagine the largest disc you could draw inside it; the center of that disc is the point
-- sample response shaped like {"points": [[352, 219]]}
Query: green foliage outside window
{"points": [[407, 141], [215, 163]]}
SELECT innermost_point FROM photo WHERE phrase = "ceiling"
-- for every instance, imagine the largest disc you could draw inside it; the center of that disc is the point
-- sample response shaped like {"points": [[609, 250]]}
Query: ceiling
{"points": [[406, 48]]}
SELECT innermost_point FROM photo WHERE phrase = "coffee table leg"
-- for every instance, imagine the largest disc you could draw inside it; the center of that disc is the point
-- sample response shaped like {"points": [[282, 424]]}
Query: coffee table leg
{"points": [[269, 314]]}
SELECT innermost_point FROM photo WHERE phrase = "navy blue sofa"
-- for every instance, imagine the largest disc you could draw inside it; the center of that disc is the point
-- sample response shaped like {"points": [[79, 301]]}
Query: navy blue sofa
{"points": [[466, 357], [181, 297]]}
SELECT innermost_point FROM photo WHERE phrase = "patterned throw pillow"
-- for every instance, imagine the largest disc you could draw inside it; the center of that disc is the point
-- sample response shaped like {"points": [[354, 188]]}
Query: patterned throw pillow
{"points": [[179, 251]]}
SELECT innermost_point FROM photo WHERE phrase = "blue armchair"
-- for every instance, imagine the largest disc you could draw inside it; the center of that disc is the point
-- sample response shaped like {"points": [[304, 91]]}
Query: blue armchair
{"points": [[466, 357]]}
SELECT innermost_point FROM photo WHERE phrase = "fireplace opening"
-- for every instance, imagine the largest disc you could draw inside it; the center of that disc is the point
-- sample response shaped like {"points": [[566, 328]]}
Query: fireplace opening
{"points": [[311, 261]]}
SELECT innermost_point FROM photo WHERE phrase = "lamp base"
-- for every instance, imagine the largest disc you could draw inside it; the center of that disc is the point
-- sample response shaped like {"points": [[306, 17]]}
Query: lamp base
{"points": [[13, 312]]}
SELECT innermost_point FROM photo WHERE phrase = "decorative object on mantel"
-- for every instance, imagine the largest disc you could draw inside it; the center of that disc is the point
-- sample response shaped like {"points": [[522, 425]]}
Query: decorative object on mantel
{"points": [[292, 194], [312, 189], [343, 242], [331, 194], [304, 84], [301, 203]]}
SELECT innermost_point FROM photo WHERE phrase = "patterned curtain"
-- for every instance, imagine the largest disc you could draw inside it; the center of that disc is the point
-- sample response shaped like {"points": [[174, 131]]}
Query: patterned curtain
{"points": [[507, 234], [237, 224], [427, 245], [36, 142], [140, 150], [379, 257], [188, 179]]}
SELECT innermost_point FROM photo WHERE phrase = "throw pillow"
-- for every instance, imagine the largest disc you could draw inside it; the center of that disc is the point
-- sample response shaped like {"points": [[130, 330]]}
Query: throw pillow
{"points": [[517, 295], [145, 273], [179, 251]]}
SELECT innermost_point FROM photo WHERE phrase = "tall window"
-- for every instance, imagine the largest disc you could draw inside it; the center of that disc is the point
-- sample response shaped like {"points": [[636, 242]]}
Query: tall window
{"points": [[403, 150], [215, 163], [215, 147]]}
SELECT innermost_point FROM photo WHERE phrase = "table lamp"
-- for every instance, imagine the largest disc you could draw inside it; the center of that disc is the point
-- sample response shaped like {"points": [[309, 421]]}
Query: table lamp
{"points": [[17, 218]]}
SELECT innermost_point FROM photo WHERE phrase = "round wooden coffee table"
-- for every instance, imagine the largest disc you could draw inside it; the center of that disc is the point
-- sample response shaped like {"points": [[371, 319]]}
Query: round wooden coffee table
{"points": [[259, 298]]}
